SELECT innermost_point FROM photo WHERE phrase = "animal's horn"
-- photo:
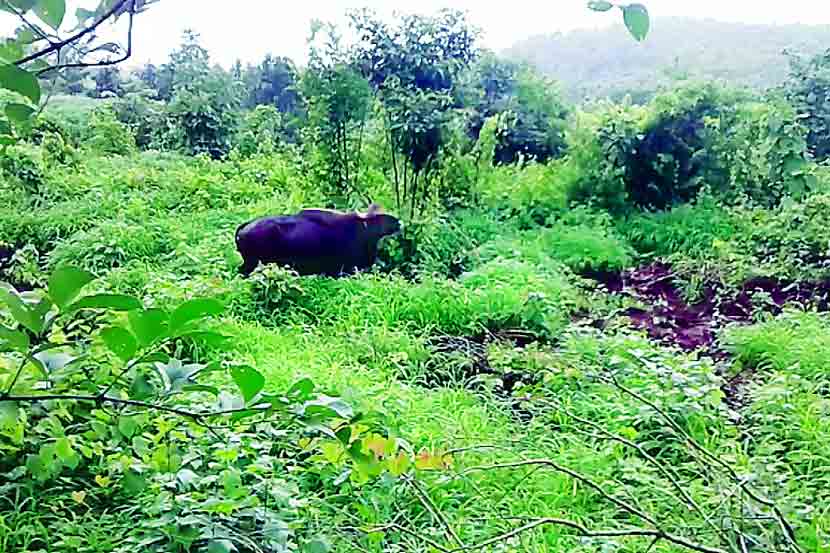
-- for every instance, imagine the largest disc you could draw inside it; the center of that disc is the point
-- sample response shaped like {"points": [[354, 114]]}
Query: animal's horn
{"points": [[373, 210]]}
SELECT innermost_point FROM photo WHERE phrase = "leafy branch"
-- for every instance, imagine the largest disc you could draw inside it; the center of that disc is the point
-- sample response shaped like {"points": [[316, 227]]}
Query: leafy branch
{"points": [[635, 16], [22, 61]]}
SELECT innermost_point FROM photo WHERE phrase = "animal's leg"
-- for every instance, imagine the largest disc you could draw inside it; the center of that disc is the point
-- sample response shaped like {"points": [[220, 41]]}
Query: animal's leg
{"points": [[248, 266]]}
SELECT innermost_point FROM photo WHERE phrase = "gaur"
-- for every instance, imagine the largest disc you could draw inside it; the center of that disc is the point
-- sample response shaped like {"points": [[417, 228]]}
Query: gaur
{"points": [[315, 241]]}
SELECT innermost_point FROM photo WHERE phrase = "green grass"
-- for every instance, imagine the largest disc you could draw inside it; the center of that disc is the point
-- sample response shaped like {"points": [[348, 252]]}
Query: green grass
{"points": [[788, 423]]}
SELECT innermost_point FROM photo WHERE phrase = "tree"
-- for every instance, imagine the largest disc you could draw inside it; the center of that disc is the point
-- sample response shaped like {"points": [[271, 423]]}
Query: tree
{"points": [[808, 89], [339, 102], [273, 82], [414, 67], [149, 75], [108, 81], [203, 100], [187, 63], [534, 109]]}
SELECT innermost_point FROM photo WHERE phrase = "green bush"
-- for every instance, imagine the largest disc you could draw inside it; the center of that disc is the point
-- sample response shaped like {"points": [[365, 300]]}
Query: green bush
{"points": [[142, 115], [111, 244], [202, 116], [496, 295], [57, 151], [762, 153], [439, 244], [707, 242], [49, 124], [687, 139], [23, 165], [107, 135], [532, 193], [808, 89], [599, 144], [259, 132]]}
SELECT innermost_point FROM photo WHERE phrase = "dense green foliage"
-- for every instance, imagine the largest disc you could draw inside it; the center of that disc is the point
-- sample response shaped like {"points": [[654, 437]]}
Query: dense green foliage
{"points": [[479, 388]]}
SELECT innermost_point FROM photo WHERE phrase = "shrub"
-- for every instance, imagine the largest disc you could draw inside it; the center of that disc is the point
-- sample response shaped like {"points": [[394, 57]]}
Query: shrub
{"points": [[786, 420], [690, 138], [532, 109], [48, 124], [439, 244], [259, 132], [57, 151], [762, 152], [808, 89], [23, 164], [202, 115], [142, 115], [599, 144], [107, 135], [112, 244], [532, 193]]}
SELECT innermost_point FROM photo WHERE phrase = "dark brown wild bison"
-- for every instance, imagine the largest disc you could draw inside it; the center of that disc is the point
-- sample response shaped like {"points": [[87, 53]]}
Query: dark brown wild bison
{"points": [[315, 241]]}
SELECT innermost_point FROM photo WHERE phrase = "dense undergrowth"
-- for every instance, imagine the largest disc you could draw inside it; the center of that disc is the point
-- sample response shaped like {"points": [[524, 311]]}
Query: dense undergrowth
{"points": [[161, 228], [482, 387]]}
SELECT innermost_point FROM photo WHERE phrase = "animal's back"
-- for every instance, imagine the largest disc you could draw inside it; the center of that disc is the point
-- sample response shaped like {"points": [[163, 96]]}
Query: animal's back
{"points": [[292, 236]]}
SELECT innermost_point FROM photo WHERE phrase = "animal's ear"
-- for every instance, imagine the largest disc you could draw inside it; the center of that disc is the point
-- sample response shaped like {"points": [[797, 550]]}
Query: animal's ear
{"points": [[373, 210]]}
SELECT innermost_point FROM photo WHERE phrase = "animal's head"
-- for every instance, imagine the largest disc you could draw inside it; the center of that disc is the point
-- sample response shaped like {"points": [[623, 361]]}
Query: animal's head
{"points": [[380, 224]]}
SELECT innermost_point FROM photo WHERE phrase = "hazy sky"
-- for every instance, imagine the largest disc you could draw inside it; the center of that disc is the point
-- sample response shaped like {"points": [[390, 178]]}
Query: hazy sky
{"points": [[248, 29]]}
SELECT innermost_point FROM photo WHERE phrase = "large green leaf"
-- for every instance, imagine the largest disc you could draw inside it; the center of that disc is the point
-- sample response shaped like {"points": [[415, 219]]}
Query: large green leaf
{"points": [[148, 325], [120, 341], [66, 283], [19, 113], [637, 20], [19, 80], [16, 6], [64, 452], [193, 310], [301, 390], [212, 339], [22, 313], [328, 406], [116, 302], [133, 482], [142, 388], [51, 12], [13, 340], [600, 5], [127, 426], [9, 411], [249, 380], [221, 546]]}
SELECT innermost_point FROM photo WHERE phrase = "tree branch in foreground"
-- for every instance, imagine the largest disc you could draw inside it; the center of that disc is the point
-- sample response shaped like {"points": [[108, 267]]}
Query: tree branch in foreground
{"points": [[196, 417], [56, 46], [127, 54], [786, 527], [580, 529], [573, 474]]}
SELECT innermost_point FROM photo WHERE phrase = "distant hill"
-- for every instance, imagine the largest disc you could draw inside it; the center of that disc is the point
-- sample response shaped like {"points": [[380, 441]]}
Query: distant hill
{"points": [[607, 62]]}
